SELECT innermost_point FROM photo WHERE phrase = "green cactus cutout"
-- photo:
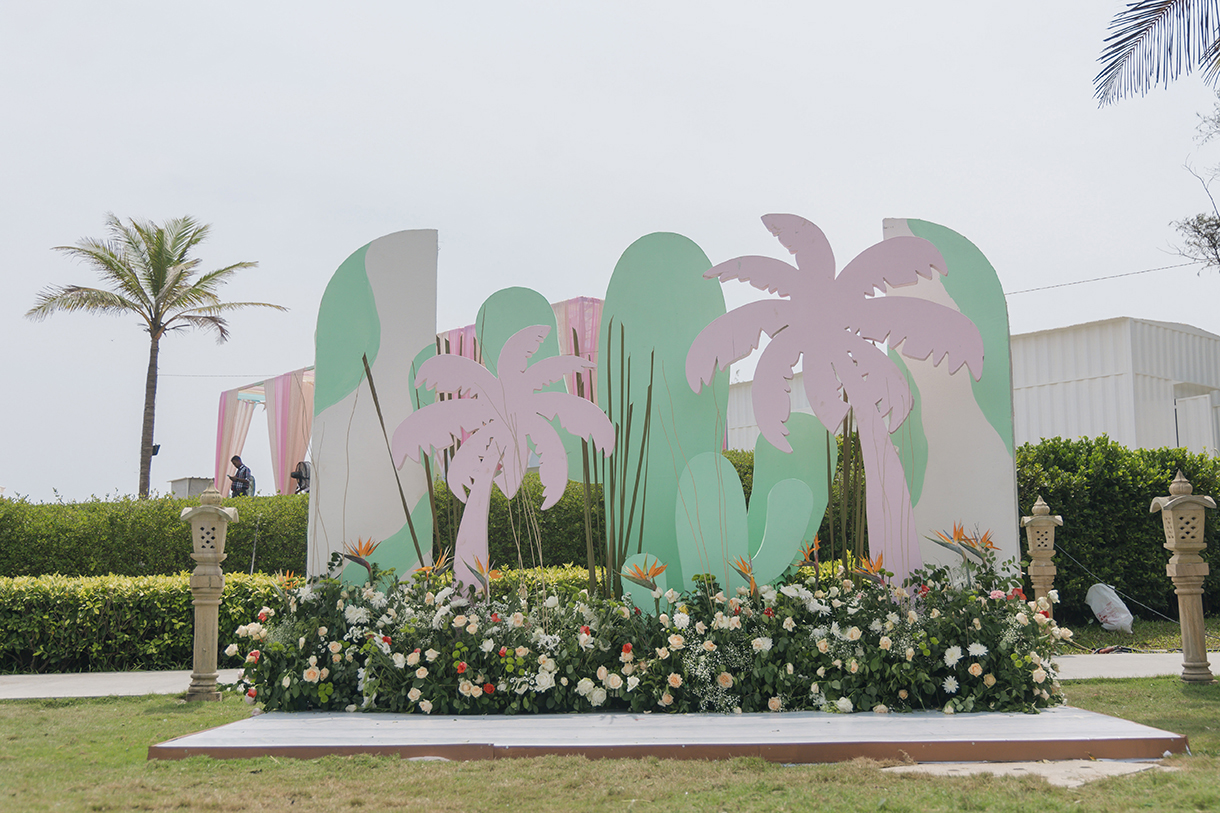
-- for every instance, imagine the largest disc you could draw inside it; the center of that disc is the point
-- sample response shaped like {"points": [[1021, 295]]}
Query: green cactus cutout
{"points": [[790, 505], [657, 302], [710, 521], [397, 550], [810, 445]]}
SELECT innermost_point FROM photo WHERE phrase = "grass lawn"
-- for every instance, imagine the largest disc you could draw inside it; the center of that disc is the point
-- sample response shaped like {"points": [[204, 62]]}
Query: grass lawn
{"points": [[1145, 635], [91, 755]]}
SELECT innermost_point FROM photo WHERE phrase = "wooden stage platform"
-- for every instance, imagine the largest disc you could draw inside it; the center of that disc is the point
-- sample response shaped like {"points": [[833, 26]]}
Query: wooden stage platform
{"points": [[796, 737]]}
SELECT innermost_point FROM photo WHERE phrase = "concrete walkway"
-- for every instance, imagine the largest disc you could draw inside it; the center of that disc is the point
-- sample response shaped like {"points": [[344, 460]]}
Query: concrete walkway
{"points": [[101, 684]]}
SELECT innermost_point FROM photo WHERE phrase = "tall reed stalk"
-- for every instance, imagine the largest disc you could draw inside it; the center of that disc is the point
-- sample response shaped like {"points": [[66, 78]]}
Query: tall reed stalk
{"points": [[621, 514]]}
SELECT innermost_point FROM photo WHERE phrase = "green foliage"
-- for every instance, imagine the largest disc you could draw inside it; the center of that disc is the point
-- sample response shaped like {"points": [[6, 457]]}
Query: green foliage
{"points": [[113, 623], [744, 463], [1103, 491], [511, 535], [133, 537]]}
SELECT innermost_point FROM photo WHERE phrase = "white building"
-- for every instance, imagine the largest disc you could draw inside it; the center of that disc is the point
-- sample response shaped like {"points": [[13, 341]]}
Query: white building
{"points": [[1144, 384]]}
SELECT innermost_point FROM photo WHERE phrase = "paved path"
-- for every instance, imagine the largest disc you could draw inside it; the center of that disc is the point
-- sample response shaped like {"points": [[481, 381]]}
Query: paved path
{"points": [[101, 684]]}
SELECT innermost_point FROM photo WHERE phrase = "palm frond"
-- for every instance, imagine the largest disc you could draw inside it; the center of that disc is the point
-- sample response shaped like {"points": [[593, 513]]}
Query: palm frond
{"points": [[213, 279], [225, 307], [1156, 41], [213, 323], [114, 268], [75, 298]]}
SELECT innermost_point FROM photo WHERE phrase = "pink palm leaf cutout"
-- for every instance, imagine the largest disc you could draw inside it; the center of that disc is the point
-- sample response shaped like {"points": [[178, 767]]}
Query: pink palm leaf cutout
{"points": [[503, 416], [831, 322]]}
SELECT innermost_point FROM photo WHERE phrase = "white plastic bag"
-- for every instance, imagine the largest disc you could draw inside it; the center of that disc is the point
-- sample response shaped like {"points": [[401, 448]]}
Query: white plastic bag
{"points": [[1109, 608]]}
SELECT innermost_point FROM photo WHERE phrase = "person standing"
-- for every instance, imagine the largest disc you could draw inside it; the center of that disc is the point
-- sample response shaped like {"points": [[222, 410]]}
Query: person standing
{"points": [[242, 480]]}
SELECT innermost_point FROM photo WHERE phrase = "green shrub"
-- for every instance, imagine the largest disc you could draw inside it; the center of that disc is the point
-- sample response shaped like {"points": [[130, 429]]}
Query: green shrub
{"points": [[561, 527], [136, 537], [114, 623], [120, 623], [1103, 491]]}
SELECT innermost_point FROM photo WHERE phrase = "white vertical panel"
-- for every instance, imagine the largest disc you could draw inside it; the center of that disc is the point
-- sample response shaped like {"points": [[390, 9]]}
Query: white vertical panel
{"points": [[1195, 429]]}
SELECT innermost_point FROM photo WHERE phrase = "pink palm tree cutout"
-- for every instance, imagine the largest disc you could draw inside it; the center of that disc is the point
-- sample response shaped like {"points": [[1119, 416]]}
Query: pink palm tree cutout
{"points": [[502, 416], [833, 321]]}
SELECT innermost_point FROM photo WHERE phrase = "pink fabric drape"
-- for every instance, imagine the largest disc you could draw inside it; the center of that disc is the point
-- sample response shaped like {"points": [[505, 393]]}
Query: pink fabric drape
{"points": [[289, 402], [584, 316], [461, 341], [231, 427]]}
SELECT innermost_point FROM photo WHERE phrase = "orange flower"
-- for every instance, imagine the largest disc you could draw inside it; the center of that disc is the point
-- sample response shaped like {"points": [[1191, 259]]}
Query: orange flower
{"points": [[288, 580], [437, 567], [645, 576], [983, 541], [746, 569], [363, 548], [487, 573], [809, 552]]}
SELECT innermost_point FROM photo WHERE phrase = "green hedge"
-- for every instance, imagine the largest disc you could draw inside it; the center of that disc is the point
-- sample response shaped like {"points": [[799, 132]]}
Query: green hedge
{"points": [[562, 527], [120, 624], [1103, 492], [133, 537], [114, 623], [1101, 488]]}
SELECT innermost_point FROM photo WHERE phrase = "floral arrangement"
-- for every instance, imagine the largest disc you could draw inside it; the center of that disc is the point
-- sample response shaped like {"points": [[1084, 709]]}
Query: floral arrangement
{"points": [[955, 639]]}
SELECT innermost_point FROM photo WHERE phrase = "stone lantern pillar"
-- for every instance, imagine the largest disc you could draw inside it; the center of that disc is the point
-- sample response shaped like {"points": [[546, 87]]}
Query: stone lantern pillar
{"points": [[1040, 539], [1183, 516], [208, 522]]}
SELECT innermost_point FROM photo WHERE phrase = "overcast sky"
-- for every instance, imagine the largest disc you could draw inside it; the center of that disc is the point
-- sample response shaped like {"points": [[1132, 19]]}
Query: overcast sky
{"points": [[541, 139]]}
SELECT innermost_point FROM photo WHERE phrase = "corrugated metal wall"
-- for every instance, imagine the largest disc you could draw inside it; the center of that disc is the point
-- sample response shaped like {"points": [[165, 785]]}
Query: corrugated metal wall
{"points": [[1119, 377]]}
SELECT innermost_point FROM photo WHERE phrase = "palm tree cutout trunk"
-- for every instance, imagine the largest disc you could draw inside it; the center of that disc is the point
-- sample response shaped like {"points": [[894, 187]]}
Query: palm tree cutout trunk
{"points": [[148, 271], [831, 323], [503, 417]]}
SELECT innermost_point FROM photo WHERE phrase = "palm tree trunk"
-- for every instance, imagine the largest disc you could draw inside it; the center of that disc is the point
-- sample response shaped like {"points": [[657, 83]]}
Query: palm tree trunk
{"points": [[472, 533], [891, 519], [150, 410]]}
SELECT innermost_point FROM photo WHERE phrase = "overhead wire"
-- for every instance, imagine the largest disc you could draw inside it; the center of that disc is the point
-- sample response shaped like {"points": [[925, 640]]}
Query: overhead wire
{"points": [[1100, 279]]}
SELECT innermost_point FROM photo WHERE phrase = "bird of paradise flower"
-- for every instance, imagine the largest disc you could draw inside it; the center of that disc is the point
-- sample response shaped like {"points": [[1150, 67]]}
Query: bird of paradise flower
{"points": [[359, 552], [646, 577]]}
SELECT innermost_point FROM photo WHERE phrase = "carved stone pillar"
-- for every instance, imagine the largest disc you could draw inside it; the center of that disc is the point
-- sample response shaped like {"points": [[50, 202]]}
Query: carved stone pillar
{"points": [[208, 522], [1183, 516], [1040, 539]]}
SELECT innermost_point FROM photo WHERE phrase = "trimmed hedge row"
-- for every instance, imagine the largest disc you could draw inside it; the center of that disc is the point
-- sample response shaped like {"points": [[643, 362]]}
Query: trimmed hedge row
{"points": [[1101, 488], [1103, 492], [114, 623], [510, 523], [121, 624], [133, 537]]}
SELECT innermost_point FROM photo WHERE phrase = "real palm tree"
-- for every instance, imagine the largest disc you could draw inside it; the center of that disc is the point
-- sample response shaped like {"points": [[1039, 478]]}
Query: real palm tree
{"points": [[832, 321], [1155, 41], [502, 416], [147, 270]]}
